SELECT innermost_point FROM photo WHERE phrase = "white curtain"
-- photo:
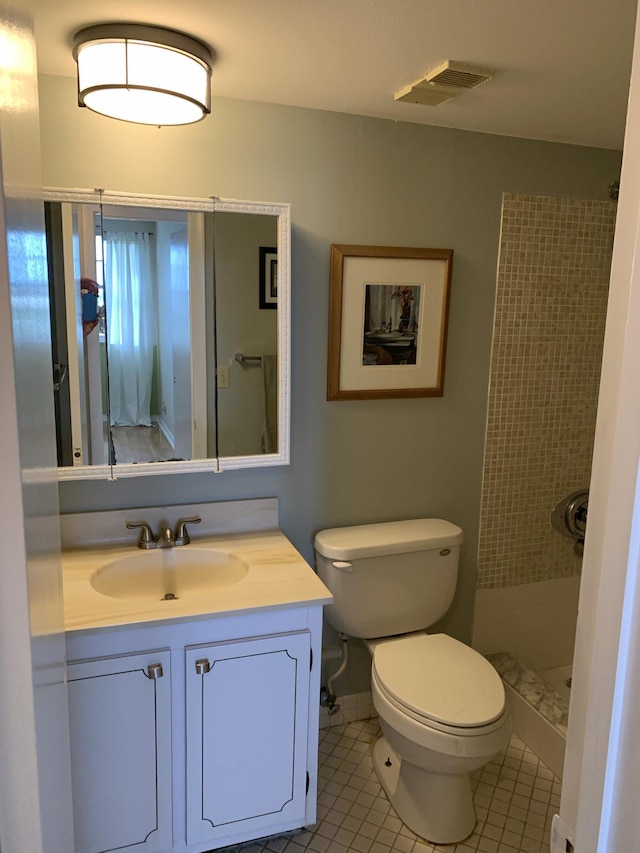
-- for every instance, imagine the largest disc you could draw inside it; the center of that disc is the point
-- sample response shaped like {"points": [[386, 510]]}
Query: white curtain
{"points": [[131, 326]]}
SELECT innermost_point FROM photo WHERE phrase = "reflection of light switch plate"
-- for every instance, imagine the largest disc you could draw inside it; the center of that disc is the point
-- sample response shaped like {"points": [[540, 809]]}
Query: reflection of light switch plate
{"points": [[223, 377]]}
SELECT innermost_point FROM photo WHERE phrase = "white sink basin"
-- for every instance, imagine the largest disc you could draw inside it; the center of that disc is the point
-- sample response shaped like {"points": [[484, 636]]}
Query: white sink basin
{"points": [[169, 573]]}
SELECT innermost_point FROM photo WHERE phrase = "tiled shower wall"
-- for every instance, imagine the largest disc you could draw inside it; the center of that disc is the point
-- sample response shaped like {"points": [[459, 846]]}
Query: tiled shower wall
{"points": [[552, 286]]}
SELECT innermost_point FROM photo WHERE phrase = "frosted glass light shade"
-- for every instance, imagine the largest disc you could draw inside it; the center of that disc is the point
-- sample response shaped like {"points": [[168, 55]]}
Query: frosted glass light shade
{"points": [[147, 75]]}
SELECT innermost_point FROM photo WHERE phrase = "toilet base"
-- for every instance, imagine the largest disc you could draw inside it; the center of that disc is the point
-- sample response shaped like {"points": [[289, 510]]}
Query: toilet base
{"points": [[436, 806]]}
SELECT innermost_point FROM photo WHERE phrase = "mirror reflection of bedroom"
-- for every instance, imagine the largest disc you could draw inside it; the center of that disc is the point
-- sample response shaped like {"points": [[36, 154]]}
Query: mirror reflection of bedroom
{"points": [[146, 303], [129, 364]]}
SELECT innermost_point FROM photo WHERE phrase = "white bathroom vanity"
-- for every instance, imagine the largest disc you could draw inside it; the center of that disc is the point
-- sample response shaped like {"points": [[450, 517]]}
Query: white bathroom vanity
{"points": [[194, 717]]}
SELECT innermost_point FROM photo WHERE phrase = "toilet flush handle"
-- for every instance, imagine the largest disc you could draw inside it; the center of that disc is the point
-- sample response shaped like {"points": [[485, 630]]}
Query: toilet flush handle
{"points": [[344, 567]]}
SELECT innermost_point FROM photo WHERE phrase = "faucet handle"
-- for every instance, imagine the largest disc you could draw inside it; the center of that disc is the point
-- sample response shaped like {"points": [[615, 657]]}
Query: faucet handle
{"points": [[146, 538], [182, 534]]}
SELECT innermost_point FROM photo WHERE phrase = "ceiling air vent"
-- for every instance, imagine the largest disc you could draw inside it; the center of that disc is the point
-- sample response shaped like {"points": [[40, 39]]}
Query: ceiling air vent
{"points": [[443, 83], [458, 74]]}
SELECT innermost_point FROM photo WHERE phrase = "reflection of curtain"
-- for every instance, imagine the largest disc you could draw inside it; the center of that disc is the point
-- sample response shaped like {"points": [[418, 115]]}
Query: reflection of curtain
{"points": [[381, 309], [270, 386], [131, 325]]}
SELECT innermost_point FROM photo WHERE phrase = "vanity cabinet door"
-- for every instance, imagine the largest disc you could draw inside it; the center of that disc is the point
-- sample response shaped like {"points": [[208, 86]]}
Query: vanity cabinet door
{"points": [[247, 722], [120, 720]]}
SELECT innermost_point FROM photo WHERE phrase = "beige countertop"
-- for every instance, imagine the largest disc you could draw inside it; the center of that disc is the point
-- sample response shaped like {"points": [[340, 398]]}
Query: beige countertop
{"points": [[278, 577]]}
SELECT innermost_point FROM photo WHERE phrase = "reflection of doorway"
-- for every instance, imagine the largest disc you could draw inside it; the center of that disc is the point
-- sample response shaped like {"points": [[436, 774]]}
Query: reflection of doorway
{"points": [[182, 363], [171, 363], [76, 352], [59, 344], [176, 363], [78, 248], [181, 344]]}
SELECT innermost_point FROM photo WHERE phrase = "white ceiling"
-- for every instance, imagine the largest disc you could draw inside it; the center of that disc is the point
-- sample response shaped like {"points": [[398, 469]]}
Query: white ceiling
{"points": [[562, 66]]}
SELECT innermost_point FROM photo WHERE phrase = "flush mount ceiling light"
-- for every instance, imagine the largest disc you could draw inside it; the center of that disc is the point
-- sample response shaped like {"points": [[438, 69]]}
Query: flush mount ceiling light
{"points": [[443, 83], [143, 74]]}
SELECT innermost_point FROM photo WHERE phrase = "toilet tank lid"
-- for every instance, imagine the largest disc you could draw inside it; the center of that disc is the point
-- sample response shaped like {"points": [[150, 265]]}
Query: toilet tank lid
{"points": [[390, 537]]}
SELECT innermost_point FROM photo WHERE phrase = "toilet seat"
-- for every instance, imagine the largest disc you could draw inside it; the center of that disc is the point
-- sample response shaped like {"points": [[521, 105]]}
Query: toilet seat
{"points": [[440, 682]]}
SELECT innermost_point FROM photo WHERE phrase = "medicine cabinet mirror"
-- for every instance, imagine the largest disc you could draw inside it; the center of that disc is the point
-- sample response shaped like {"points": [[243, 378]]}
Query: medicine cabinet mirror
{"points": [[170, 326]]}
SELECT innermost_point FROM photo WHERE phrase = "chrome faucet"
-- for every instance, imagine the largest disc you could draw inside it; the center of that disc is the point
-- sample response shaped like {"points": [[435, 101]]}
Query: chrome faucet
{"points": [[182, 534], [146, 538], [166, 538]]}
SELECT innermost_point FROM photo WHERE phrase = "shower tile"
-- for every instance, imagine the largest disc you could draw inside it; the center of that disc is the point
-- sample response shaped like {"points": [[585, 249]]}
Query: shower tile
{"points": [[553, 275]]}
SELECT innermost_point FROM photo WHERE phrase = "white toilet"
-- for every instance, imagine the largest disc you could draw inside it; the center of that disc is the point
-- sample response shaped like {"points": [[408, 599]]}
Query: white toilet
{"points": [[441, 705]]}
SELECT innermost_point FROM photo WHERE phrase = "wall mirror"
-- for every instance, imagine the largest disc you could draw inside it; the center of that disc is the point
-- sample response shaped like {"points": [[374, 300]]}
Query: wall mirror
{"points": [[170, 326]]}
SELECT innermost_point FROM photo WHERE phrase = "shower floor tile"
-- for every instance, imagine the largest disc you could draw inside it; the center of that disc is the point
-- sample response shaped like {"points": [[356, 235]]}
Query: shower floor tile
{"points": [[557, 678], [515, 796]]}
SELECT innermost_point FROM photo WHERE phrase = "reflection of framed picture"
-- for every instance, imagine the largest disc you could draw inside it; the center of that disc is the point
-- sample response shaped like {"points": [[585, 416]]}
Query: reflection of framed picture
{"points": [[268, 277], [388, 315]]}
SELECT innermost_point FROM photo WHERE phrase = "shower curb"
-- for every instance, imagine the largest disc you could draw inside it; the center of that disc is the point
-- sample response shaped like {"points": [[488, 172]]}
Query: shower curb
{"points": [[539, 714]]}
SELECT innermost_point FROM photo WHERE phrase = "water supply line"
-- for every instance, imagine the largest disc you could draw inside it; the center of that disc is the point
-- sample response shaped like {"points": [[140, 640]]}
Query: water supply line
{"points": [[327, 696]]}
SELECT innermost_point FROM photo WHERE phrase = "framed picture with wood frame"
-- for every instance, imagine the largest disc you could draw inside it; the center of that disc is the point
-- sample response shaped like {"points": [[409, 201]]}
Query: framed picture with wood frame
{"points": [[388, 312]]}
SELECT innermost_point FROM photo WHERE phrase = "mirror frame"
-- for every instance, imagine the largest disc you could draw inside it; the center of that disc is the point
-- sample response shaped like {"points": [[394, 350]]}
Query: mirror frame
{"points": [[212, 204]]}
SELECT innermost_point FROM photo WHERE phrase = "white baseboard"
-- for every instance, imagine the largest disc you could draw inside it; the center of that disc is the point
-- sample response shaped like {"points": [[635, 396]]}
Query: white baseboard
{"points": [[356, 706], [164, 429]]}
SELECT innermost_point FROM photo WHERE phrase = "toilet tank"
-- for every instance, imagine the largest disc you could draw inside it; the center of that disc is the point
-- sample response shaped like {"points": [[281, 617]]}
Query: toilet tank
{"points": [[389, 578]]}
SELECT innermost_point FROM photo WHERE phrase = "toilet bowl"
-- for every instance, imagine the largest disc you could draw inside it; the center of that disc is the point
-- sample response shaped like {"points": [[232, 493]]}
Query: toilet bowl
{"points": [[443, 715], [441, 705]]}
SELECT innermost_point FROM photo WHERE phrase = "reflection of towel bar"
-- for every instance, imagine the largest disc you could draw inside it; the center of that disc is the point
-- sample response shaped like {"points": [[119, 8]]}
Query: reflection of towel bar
{"points": [[243, 358]]}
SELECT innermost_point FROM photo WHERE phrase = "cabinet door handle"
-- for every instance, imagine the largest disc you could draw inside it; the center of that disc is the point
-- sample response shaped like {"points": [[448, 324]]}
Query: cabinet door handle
{"points": [[154, 671], [202, 666]]}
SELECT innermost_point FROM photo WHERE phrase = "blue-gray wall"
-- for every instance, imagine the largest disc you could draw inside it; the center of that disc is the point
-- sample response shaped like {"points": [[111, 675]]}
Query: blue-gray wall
{"points": [[357, 180]]}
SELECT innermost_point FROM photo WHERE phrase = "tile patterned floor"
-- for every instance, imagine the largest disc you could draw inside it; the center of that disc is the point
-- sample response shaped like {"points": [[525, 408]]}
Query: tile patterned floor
{"points": [[515, 797]]}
